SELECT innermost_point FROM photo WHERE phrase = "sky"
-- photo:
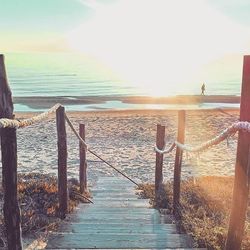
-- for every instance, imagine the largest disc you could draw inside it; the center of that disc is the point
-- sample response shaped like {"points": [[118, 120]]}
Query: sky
{"points": [[178, 34], [95, 25]]}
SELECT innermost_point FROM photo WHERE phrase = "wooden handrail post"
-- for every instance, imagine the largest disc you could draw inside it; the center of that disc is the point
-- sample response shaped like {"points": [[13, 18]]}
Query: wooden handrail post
{"points": [[9, 165], [83, 161], [62, 162], [160, 143], [242, 168], [178, 161]]}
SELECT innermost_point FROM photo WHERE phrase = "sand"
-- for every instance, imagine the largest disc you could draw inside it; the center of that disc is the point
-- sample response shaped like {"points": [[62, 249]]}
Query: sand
{"points": [[126, 140]]}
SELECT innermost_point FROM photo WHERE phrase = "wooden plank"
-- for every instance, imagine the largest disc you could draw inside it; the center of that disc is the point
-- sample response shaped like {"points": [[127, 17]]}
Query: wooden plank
{"points": [[118, 241], [122, 219], [111, 199], [120, 216], [122, 228], [83, 161], [137, 203], [11, 208], [113, 178], [160, 143], [115, 183], [118, 182], [129, 248], [242, 168], [117, 220], [115, 187], [114, 190], [121, 213], [114, 210], [62, 162], [115, 195], [178, 162]]}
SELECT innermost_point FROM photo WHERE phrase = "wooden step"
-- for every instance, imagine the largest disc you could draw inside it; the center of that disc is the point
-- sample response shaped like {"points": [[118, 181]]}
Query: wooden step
{"points": [[111, 191], [117, 220], [118, 241], [122, 203], [115, 199], [98, 214], [89, 206], [115, 188], [128, 228], [115, 180], [115, 183], [108, 220], [130, 248], [120, 210], [124, 195], [94, 208]]}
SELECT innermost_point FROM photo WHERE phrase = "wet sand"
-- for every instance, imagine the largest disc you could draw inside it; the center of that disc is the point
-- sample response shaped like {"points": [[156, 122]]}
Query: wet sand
{"points": [[40, 102]]}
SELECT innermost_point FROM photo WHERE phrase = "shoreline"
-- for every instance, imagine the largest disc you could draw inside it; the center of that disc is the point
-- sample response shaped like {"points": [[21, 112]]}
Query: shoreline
{"points": [[123, 102]]}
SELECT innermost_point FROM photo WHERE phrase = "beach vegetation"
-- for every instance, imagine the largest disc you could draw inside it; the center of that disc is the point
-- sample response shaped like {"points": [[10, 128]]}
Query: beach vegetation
{"points": [[39, 203], [205, 205]]}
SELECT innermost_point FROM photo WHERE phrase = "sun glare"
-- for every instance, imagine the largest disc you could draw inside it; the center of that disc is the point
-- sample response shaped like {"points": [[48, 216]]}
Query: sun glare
{"points": [[152, 47]]}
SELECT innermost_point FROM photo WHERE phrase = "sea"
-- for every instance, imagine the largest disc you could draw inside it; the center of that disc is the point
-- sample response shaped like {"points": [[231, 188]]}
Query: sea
{"points": [[73, 75]]}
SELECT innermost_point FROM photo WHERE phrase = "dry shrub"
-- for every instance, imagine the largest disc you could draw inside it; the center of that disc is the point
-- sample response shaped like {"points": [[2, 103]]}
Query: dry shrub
{"points": [[38, 200], [205, 208]]}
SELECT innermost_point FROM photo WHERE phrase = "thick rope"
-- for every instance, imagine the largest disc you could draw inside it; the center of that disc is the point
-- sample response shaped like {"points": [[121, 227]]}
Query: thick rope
{"points": [[237, 126], [9, 123], [75, 132], [165, 151], [93, 153]]}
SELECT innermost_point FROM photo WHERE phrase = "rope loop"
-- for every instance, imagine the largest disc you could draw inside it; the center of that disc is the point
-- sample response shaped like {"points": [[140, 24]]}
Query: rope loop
{"points": [[11, 123], [225, 134]]}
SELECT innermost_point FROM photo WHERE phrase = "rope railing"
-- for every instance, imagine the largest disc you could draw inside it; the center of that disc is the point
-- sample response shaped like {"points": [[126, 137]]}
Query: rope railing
{"points": [[75, 132], [95, 154], [237, 126], [13, 123]]}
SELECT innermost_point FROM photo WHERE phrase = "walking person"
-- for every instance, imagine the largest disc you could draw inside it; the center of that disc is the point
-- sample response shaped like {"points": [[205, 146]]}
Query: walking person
{"points": [[203, 89]]}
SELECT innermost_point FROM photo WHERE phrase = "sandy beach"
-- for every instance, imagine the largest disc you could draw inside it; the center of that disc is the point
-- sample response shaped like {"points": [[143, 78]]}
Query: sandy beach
{"points": [[126, 140]]}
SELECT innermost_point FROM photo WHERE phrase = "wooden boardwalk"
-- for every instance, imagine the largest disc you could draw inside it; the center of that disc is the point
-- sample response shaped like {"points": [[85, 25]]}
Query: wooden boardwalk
{"points": [[117, 220]]}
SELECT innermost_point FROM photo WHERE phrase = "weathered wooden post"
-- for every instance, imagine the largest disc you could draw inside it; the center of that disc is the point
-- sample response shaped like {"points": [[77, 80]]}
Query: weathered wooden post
{"points": [[62, 162], [160, 143], [178, 161], [83, 161], [242, 168], [9, 165]]}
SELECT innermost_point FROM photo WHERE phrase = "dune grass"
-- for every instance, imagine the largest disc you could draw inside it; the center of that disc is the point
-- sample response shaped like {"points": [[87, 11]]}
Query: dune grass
{"points": [[39, 203], [205, 209]]}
